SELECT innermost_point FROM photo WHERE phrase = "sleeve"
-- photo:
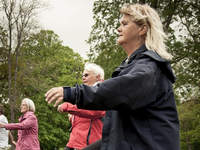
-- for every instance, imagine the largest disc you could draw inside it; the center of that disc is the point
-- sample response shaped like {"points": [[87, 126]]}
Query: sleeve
{"points": [[25, 124], [3, 119], [72, 109], [133, 90]]}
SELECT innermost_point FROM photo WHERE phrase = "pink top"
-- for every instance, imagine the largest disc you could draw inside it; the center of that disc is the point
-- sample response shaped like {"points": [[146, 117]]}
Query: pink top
{"points": [[81, 121], [27, 132]]}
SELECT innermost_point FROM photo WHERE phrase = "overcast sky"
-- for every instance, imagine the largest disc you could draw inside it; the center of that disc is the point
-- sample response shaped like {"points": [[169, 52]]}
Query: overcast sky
{"points": [[71, 20]]}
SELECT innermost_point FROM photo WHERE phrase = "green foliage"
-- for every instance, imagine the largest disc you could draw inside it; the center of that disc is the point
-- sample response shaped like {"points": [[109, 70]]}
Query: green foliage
{"points": [[183, 39], [49, 61], [104, 50], [53, 126], [45, 63], [181, 23], [190, 124]]}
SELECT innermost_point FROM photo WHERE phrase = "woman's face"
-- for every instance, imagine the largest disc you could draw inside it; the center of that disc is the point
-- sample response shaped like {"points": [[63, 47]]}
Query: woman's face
{"points": [[24, 107], [128, 31]]}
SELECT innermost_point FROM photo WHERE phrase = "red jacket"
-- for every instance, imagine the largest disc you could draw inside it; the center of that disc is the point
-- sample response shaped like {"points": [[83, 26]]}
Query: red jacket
{"points": [[83, 121], [27, 132]]}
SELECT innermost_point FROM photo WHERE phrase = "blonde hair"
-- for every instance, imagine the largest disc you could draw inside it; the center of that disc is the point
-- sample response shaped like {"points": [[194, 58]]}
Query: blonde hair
{"points": [[155, 36], [96, 69], [30, 104]]}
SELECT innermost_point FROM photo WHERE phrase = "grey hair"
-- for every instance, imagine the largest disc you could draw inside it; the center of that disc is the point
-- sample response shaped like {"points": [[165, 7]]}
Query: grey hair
{"points": [[30, 104], [143, 14], [96, 69]]}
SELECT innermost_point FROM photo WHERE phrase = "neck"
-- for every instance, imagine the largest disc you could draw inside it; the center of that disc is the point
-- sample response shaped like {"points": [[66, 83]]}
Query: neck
{"points": [[132, 47]]}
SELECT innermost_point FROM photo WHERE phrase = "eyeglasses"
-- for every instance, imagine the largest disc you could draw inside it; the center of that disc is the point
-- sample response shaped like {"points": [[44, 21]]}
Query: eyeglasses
{"points": [[85, 75]]}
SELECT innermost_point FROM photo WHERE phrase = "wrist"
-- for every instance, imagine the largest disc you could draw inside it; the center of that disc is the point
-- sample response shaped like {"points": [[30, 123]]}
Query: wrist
{"points": [[2, 125], [66, 93]]}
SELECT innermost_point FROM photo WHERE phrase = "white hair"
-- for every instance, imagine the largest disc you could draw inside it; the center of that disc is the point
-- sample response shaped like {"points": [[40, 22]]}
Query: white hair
{"points": [[30, 104], [145, 15], [96, 69]]}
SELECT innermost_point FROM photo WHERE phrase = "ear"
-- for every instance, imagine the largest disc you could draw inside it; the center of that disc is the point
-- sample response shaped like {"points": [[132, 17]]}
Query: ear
{"points": [[143, 30], [98, 78]]}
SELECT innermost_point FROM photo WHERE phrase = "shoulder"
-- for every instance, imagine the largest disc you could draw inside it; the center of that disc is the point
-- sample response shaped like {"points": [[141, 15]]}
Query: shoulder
{"points": [[2, 116], [29, 114], [145, 63], [161, 63], [147, 59], [150, 58], [153, 55], [3, 119]]}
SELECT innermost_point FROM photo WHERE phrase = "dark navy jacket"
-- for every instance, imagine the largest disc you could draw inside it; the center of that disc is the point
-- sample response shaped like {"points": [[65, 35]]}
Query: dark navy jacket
{"points": [[141, 111]]}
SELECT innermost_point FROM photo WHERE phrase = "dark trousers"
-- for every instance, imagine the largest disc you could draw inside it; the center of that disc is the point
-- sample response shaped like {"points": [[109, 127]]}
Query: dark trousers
{"points": [[94, 146]]}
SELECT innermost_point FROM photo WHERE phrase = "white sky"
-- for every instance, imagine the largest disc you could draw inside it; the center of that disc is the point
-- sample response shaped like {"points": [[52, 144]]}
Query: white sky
{"points": [[71, 20]]}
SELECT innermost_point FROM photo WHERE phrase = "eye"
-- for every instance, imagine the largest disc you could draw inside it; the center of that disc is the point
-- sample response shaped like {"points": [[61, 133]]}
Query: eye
{"points": [[85, 75], [124, 23]]}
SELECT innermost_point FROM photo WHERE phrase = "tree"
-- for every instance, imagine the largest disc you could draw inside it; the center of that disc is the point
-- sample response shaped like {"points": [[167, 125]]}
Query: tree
{"points": [[46, 63], [180, 20], [181, 23], [104, 50], [186, 49], [190, 124], [16, 24], [104, 34]]}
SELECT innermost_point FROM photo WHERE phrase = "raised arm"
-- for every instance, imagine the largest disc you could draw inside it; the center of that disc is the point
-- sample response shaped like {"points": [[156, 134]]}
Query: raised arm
{"points": [[72, 109]]}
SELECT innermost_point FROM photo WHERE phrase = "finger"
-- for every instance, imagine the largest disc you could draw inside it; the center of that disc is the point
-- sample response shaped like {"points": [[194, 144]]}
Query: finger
{"points": [[54, 94], [60, 108], [53, 97], [49, 94], [58, 101]]}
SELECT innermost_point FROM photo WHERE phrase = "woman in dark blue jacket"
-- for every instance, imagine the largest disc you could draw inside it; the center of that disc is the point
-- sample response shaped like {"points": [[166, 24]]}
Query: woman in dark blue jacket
{"points": [[141, 110]]}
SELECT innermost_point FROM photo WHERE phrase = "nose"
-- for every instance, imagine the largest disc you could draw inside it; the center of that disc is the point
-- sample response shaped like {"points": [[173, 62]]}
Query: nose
{"points": [[119, 29], [83, 78]]}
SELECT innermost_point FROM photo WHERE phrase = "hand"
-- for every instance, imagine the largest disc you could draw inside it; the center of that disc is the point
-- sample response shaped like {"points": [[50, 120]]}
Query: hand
{"points": [[2, 125], [70, 117], [60, 108], [14, 143], [55, 94]]}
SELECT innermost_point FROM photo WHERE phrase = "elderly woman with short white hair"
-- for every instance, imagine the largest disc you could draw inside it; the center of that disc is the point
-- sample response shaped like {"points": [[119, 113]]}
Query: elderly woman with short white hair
{"points": [[27, 127]]}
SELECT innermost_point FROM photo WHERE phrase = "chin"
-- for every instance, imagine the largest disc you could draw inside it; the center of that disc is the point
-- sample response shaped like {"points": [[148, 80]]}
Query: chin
{"points": [[120, 41]]}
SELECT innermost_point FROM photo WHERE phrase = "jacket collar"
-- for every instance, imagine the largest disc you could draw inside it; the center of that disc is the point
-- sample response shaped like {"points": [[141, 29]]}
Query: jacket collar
{"points": [[127, 61], [135, 53], [162, 63], [25, 115]]}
